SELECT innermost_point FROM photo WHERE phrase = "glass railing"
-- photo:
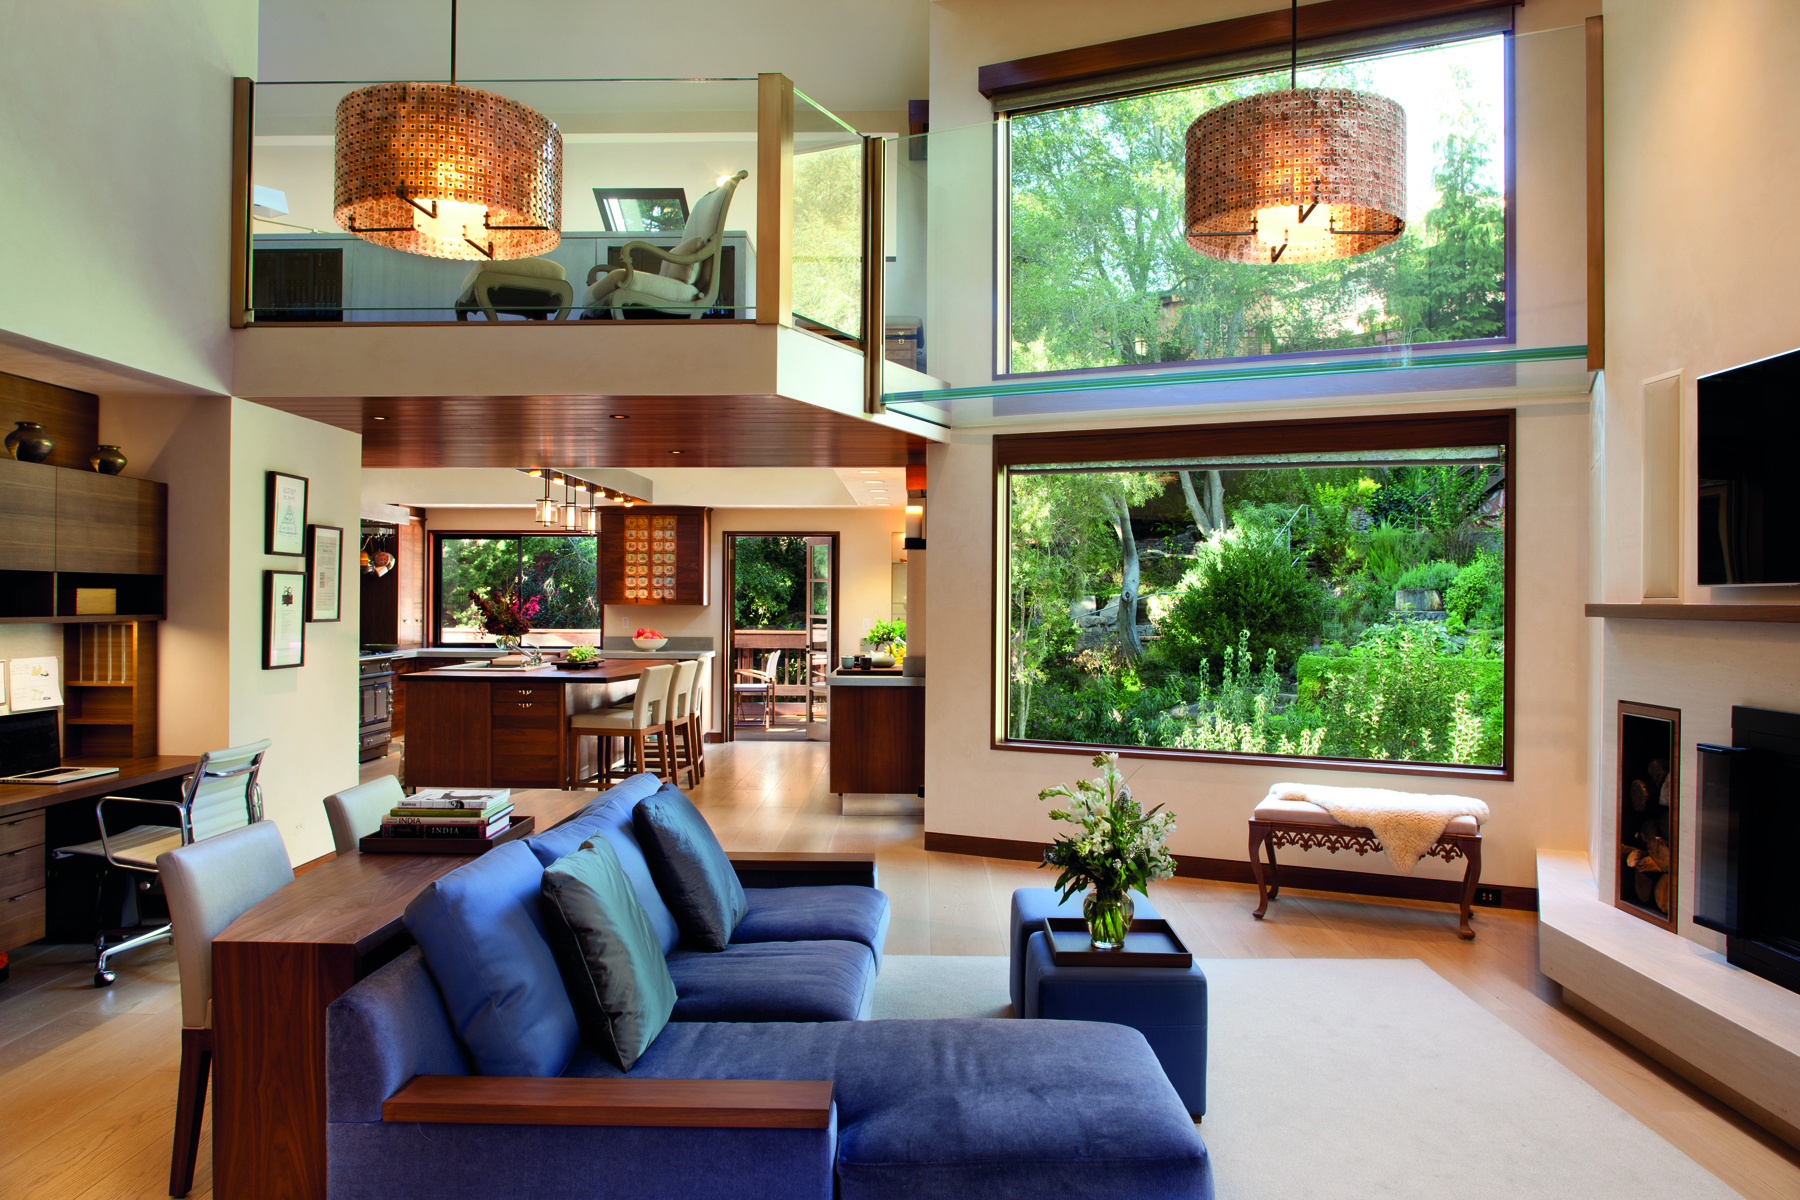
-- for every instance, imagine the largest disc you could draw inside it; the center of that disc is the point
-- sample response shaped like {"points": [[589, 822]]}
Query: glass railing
{"points": [[638, 157], [828, 223]]}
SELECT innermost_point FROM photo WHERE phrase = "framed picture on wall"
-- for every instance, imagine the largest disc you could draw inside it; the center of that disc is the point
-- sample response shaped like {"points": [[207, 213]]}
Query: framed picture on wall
{"points": [[284, 619], [286, 514], [324, 572]]}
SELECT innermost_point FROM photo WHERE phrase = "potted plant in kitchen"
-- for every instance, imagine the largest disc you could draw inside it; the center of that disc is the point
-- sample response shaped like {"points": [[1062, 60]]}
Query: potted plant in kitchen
{"points": [[1120, 847], [581, 658], [884, 636], [506, 615]]}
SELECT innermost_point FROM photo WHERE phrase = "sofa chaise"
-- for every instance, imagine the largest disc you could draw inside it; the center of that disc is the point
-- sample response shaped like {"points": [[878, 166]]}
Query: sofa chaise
{"points": [[764, 1083]]}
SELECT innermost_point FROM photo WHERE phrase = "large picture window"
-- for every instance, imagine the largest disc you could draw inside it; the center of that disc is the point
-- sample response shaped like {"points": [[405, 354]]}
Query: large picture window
{"points": [[1101, 275], [558, 570], [1335, 591]]}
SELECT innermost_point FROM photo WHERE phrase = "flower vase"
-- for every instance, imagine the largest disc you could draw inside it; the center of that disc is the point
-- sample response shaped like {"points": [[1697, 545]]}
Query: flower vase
{"points": [[506, 644], [1108, 916]]}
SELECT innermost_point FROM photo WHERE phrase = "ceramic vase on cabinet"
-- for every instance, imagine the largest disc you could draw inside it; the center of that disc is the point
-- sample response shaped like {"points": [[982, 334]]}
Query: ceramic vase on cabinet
{"points": [[29, 442]]}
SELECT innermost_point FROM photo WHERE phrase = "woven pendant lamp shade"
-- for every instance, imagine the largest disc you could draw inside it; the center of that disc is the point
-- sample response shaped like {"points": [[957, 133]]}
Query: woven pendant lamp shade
{"points": [[448, 171], [1277, 153]]}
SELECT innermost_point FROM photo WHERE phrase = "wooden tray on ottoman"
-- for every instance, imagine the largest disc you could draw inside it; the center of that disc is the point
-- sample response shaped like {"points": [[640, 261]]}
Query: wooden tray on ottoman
{"points": [[1150, 942], [374, 843]]}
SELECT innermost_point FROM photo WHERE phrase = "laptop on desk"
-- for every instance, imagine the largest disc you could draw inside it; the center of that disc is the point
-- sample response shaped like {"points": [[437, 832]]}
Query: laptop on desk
{"points": [[59, 775], [30, 752]]}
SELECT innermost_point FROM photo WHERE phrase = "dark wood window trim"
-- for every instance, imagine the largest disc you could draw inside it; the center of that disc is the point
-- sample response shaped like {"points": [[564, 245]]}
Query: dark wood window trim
{"points": [[1163, 443], [1239, 35]]}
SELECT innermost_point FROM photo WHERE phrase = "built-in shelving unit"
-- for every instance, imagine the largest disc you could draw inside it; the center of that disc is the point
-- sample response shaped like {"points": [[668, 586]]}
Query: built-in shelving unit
{"points": [[109, 689], [1776, 613], [63, 531]]}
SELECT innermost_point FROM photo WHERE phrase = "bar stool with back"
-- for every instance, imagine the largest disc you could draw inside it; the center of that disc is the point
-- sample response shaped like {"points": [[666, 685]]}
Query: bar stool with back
{"points": [[676, 719], [635, 725]]}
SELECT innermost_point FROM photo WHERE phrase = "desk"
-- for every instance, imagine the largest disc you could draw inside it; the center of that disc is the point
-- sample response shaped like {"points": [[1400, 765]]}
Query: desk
{"points": [[275, 969], [34, 821]]}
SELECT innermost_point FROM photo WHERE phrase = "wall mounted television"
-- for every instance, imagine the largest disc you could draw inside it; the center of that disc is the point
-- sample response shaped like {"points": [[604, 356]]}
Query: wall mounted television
{"points": [[1749, 505]]}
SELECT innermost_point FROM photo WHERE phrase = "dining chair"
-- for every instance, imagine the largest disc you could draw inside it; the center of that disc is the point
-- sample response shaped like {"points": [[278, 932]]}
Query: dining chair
{"points": [[221, 795], [675, 721], [210, 884], [636, 725], [751, 682], [356, 812], [695, 703]]}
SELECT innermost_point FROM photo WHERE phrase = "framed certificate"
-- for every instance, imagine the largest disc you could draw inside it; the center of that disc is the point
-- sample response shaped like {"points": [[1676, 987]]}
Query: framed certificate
{"points": [[324, 572], [284, 623], [286, 515]]}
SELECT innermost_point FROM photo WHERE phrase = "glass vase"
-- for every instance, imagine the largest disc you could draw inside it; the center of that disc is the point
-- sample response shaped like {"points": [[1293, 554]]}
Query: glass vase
{"points": [[506, 644], [1108, 916]]}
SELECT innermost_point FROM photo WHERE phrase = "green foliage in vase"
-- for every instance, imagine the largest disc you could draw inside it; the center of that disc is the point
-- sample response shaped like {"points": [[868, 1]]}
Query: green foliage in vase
{"points": [[1119, 847], [886, 634]]}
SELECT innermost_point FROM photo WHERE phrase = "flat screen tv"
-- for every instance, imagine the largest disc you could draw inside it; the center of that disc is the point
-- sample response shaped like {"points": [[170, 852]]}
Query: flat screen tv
{"points": [[1749, 435]]}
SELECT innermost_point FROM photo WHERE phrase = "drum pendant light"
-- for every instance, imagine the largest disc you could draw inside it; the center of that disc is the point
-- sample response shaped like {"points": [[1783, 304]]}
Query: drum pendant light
{"points": [[448, 171], [1304, 175]]}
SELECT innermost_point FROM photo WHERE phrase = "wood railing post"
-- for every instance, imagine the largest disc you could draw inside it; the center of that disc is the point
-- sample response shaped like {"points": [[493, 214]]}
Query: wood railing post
{"points": [[237, 307], [774, 199], [874, 273]]}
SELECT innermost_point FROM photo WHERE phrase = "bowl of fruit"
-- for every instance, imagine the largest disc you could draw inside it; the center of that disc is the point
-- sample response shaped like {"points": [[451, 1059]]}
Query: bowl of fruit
{"points": [[648, 639], [580, 658]]}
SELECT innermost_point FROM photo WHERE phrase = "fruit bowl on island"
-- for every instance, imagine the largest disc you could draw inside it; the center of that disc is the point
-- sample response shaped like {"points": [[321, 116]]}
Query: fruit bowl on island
{"points": [[649, 639]]}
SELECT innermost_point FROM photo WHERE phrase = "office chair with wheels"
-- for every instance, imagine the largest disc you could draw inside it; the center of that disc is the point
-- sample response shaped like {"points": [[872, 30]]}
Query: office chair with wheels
{"points": [[221, 795]]}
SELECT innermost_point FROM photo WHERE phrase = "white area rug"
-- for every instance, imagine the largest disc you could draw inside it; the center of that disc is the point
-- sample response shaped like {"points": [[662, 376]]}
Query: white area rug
{"points": [[1348, 1079]]}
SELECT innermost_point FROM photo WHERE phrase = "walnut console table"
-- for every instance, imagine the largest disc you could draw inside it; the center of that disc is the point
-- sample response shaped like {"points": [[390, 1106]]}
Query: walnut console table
{"points": [[1328, 834]]}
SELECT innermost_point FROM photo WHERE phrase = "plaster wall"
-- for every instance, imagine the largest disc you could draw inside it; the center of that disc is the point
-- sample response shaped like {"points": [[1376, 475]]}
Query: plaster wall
{"points": [[118, 143]]}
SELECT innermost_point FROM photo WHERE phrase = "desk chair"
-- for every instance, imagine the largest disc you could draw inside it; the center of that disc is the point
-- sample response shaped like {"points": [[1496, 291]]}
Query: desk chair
{"points": [[221, 795], [355, 812], [748, 681], [677, 719], [210, 884], [635, 725]]}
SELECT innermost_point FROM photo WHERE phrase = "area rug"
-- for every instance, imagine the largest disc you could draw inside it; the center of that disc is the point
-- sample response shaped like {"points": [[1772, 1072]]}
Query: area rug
{"points": [[1346, 1079]]}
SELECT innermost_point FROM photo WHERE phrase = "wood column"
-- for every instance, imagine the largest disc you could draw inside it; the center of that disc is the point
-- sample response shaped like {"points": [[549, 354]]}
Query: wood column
{"points": [[1596, 199], [874, 273], [242, 129], [774, 199]]}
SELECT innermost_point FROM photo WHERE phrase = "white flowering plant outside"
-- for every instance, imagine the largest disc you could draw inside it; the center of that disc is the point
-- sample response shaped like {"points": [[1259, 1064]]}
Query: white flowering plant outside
{"points": [[1120, 847]]}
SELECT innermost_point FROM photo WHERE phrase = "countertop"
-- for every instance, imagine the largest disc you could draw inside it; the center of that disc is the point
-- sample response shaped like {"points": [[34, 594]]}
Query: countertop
{"points": [[486, 652], [609, 670], [859, 679]]}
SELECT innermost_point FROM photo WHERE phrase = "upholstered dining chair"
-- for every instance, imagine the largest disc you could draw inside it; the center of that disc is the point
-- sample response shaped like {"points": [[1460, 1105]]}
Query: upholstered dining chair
{"points": [[534, 288], [687, 282], [210, 884], [680, 755], [748, 681], [635, 725], [221, 795], [696, 731], [356, 812]]}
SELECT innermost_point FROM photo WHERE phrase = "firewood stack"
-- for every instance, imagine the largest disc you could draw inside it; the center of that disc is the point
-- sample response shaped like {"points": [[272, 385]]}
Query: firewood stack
{"points": [[1651, 858]]}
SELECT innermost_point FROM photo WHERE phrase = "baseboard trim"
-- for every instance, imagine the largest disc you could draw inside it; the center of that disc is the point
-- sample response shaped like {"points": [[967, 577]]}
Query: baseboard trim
{"points": [[320, 861], [1237, 870]]}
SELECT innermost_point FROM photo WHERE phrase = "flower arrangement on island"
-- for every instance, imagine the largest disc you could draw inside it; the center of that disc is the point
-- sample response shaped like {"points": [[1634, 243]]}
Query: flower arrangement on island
{"points": [[1120, 847], [504, 613]]}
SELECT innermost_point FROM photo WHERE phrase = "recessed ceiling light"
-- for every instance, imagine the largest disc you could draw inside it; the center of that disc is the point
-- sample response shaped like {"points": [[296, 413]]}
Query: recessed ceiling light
{"points": [[378, 418], [868, 472], [620, 416], [674, 452]]}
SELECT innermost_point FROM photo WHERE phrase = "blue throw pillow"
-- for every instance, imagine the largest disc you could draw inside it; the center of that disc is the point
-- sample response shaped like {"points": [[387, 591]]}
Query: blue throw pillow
{"points": [[607, 949], [691, 871], [481, 931]]}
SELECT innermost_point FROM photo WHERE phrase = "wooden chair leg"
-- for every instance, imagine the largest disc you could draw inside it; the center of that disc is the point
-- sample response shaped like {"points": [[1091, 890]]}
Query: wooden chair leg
{"points": [[190, 1107]]}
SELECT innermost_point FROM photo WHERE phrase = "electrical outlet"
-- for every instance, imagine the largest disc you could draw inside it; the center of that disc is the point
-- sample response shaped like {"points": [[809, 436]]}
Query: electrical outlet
{"points": [[1488, 896]]}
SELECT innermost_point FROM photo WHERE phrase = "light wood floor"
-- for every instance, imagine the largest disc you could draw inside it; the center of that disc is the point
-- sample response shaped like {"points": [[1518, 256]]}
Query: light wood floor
{"points": [[87, 1077]]}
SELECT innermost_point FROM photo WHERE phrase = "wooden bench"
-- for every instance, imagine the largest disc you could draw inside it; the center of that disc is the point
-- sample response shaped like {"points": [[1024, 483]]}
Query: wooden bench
{"points": [[1279, 822]]}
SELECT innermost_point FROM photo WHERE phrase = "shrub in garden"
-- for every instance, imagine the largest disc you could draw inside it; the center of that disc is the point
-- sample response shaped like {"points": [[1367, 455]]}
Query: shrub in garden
{"points": [[1407, 692], [1478, 594], [1246, 584], [1433, 576], [1392, 551], [1240, 716]]}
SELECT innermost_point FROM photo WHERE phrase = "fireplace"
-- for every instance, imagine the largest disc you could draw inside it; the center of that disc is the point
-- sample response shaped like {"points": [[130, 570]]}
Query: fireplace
{"points": [[1749, 799], [1649, 812]]}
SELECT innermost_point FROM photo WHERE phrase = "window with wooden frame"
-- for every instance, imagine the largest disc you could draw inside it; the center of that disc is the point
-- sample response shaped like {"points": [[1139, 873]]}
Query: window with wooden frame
{"points": [[1336, 591], [1098, 274], [557, 570]]}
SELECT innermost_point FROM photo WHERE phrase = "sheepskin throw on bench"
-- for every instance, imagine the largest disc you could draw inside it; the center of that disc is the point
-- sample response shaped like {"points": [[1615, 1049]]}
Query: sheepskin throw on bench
{"points": [[1406, 823]]}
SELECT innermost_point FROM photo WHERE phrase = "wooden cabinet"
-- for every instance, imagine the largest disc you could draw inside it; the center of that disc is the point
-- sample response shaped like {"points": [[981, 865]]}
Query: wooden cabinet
{"points": [[108, 524], [109, 690], [28, 506], [877, 738], [651, 555], [21, 878]]}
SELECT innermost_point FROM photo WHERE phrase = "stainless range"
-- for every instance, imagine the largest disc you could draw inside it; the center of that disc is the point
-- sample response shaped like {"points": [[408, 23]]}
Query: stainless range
{"points": [[376, 693]]}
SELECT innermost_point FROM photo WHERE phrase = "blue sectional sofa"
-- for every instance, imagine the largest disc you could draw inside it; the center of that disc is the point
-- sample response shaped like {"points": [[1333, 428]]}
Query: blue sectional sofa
{"points": [[764, 1084]]}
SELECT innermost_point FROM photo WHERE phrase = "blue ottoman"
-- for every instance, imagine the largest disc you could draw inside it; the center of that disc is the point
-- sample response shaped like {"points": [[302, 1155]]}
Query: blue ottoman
{"points": [[1029, 908], [1165, 1004]]}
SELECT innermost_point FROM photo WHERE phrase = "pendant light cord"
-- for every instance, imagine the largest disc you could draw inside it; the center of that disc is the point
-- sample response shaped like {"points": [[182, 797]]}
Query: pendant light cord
{"points": [[453, 43], [1293, 45]]}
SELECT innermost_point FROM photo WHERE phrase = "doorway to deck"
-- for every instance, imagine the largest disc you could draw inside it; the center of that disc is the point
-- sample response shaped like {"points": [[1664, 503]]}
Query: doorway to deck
{"points": [[780, 635]]}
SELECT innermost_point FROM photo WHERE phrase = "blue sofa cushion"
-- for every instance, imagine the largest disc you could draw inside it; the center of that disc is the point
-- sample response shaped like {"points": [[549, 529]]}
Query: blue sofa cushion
{"points": [[691, 870], [805, 914], [606, 947], [774, 981], [611, 816], [481, 931]]}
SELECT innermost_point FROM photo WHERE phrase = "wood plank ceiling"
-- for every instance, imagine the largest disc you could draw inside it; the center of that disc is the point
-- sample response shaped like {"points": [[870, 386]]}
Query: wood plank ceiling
{"points": [[606, 431]]}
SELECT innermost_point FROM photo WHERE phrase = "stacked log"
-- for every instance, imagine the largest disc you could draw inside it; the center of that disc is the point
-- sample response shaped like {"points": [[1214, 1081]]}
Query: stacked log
{"points": [[1652, 859]]}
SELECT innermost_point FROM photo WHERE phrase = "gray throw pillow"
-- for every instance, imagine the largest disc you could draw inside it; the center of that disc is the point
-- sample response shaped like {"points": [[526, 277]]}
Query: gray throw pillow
{"points": [[606, 948], [690, 868]]}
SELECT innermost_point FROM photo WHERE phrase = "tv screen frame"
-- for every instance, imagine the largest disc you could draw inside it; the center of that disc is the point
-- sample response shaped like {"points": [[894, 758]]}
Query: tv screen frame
{"points": [[1747, 499]]}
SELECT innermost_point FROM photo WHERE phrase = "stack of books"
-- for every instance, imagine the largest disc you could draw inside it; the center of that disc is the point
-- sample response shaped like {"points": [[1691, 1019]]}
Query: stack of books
{"points": [[450, 813]]}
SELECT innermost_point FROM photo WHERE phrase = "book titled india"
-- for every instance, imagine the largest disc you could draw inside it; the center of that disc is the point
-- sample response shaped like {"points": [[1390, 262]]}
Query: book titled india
{"points": [[453, 818]]}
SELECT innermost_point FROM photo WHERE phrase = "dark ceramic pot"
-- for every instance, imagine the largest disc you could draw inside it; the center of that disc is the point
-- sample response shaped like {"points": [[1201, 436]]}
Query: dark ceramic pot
{"points": [[108, 460], [29, 442]]}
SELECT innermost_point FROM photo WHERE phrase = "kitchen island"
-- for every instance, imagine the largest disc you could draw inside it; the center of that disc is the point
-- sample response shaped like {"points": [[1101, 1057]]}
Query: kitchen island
{"points": [[877, 732]]}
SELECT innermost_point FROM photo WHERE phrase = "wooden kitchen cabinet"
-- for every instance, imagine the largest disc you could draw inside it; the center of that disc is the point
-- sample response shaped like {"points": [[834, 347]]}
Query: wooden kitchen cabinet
{"points": [[651, 555]]}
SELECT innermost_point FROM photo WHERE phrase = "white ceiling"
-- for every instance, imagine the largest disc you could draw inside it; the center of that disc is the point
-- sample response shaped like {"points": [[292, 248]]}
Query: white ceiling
{"points": [[852, 56]]}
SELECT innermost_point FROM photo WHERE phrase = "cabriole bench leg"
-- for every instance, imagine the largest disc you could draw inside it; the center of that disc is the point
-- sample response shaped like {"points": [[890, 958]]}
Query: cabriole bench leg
{"points": [[1259, 834], [1471, 848]]}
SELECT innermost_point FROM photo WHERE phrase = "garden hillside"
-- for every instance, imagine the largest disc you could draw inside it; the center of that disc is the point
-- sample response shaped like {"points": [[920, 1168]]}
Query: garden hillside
{"points": [[1347, 612]]}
